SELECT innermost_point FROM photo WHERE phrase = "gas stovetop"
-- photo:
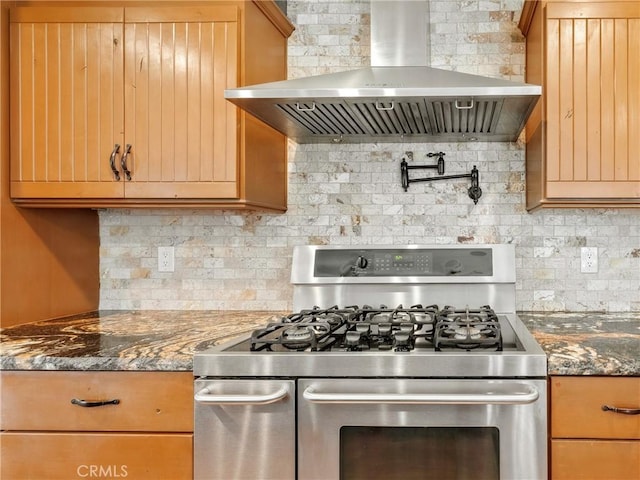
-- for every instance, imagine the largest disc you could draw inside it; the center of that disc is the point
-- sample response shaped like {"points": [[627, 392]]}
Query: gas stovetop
{"points": [[399, 329], [480, 336]]}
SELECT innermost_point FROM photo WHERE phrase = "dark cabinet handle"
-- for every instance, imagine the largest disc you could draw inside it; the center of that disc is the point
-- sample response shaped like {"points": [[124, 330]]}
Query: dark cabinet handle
{"points": [[123, 162], [97, 403], [624, 411], [112, 162]]}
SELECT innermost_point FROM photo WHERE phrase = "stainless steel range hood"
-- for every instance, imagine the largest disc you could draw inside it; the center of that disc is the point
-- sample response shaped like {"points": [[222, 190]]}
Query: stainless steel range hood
{"points": [[399, 99]]}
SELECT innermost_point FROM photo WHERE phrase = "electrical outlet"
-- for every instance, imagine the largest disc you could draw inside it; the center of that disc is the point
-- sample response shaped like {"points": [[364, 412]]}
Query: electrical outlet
{"points": [[589, 259], [166, 259]]}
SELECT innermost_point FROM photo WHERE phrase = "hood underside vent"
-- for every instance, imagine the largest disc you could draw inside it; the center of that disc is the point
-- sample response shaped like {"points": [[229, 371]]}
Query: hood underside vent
{"points": [[442, 118]]}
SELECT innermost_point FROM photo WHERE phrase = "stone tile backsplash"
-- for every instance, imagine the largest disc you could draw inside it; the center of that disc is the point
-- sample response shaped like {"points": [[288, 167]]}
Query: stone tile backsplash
{"points": [[351, 194]]}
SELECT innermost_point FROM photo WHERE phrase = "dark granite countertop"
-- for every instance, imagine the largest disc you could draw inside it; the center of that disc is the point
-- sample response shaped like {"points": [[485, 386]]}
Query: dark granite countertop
{"points": [[575, 343], [123, 340], [587, 343]]}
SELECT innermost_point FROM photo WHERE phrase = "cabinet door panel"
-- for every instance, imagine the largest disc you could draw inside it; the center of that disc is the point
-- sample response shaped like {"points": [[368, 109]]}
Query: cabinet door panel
{"points": [[595, 460], [54, 456], [66, 106], [182, 130], [592, 100], [633, 94]]}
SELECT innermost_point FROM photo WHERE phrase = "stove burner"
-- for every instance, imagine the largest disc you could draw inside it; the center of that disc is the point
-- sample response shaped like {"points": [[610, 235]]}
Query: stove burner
{"points": [[330, 317], [299, 332], [462, 333], [391, 317]]}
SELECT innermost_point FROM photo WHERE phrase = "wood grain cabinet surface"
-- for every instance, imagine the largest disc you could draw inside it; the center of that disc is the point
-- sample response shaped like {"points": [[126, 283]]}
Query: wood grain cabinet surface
{"points": [[582, 138], [588, 442], [124, 105], [143, 431]]}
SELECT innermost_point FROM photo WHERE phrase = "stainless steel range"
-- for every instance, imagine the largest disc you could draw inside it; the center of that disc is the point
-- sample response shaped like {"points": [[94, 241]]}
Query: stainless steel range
{"points": [[397, 362]]}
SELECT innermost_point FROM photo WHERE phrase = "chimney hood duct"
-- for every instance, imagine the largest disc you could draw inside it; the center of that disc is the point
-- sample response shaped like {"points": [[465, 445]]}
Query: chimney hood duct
{"points": [[398, 99]]}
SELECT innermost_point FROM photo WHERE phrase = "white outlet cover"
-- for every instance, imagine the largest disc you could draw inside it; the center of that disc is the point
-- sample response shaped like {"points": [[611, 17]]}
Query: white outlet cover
{"points": [[166, 259], [589, 260]]}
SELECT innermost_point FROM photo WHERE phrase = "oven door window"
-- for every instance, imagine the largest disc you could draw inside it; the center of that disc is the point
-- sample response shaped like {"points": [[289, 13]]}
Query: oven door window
{"points": [[443, 453]]}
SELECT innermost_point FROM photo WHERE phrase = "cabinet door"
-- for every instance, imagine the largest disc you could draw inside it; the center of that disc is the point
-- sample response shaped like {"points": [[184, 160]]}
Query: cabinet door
{"points": [[178, 61], [593, 100], [66, 67], [51, 456], [595, 460]]}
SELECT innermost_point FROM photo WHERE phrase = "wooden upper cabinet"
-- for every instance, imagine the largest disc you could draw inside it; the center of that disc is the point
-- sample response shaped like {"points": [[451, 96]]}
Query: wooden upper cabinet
{"points": [[124, 106], [176, 117], [66, 70], [583, 144]]}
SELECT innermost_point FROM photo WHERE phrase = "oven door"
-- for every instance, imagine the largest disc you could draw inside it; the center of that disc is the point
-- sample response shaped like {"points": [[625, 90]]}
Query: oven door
{"points": [[244, 429], [422, 429]]}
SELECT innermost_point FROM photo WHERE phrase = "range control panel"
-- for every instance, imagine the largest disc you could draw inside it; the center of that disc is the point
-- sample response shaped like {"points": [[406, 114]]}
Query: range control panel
{"points": [[390, 262]]}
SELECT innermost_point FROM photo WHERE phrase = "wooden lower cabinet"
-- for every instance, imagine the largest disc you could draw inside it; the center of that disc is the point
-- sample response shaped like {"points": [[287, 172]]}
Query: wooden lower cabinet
{"points": [[595, 459], [143, 431], [587, 442], [30, 455]]}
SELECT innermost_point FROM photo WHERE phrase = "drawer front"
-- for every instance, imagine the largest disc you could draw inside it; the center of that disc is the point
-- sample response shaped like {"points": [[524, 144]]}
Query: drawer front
{"points": [[146, 401], [576, 407], [86, 455], [595, 460]]}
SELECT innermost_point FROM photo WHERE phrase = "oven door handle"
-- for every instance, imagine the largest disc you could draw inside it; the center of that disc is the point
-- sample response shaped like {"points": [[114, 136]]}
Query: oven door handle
{"points": [[205, 396], [519, 394]]}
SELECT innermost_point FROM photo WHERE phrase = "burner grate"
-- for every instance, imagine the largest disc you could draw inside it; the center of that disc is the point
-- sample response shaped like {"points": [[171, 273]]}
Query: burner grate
{"points": [[467, 329], [307, 330], [390, 329], [355, 329]]}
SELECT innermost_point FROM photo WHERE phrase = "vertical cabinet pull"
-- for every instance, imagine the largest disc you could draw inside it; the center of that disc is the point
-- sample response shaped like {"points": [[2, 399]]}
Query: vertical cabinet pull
{"points": [[112, 162], [123, 162]]}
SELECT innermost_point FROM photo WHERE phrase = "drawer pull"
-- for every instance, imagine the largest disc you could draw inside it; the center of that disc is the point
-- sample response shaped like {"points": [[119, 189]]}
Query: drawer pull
{"points": [[97, 403], [624, 411]]}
